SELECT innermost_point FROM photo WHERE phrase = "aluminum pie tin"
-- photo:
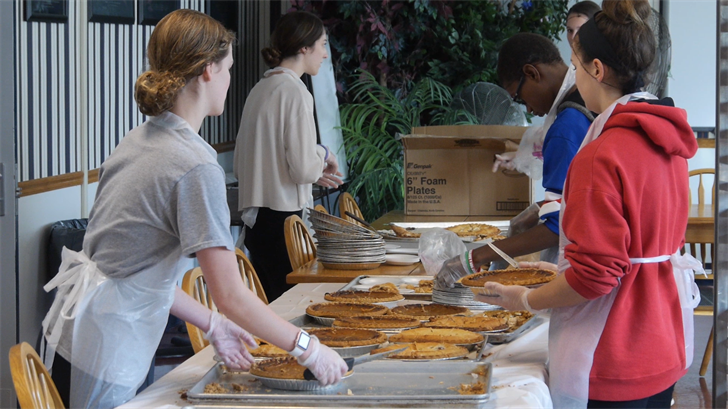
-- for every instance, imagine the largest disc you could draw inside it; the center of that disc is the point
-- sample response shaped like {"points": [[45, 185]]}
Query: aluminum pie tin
{"points": [[350, 352], [470, 347], [327, 321], [299, 384]]}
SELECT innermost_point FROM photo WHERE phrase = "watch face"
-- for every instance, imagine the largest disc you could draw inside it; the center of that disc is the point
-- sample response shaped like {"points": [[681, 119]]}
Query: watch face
{"points": [[304, 340]]}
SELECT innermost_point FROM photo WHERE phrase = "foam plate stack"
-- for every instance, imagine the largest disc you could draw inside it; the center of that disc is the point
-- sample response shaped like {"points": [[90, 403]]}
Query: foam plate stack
{"points": [[342, 245], [460, 295]]}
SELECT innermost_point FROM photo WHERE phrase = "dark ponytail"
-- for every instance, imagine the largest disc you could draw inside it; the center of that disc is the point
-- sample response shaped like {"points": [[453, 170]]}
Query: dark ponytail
{"points": [[620, 37], [293, 31]]}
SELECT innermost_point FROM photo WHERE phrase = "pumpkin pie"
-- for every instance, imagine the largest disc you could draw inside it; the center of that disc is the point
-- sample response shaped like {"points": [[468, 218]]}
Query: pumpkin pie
{"points": [[476, 323], [425, 350], [516, 276], [425, 311], [448, 335], [348, 337], [377, 322], [278, 368], [266, 349], [345, 309], [363, 296]]}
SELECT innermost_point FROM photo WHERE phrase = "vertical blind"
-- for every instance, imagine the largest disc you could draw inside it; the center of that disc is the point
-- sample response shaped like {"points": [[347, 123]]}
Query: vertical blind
{"points": [[47, 90]]}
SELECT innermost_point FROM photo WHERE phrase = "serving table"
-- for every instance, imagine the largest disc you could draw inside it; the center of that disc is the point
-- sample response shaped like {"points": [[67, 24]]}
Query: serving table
{"points": [[519, 373]]}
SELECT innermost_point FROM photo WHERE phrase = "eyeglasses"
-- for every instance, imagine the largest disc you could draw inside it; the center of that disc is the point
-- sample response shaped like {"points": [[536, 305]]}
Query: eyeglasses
{"points": [[516, 97]]}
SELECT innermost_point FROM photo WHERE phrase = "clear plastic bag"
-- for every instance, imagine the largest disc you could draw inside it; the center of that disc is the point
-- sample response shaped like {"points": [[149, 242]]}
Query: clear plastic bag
{"points": [[436, 247]]}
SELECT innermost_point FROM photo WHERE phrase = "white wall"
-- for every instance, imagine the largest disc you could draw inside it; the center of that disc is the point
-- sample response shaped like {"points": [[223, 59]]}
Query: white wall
{"points": [[36, 213]]}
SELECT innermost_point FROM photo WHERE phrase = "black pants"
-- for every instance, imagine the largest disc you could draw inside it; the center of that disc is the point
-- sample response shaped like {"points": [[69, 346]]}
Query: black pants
{"points": [[660, 400], [266, 243]]}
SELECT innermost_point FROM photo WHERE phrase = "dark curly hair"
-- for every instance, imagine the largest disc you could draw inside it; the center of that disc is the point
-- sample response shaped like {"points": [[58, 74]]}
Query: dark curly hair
{"points": [[522, 49]]}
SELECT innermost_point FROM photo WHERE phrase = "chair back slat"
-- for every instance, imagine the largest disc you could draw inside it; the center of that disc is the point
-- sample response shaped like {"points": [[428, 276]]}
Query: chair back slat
{"points": [[348, 204], [34, 386], [250, 277], [299, 243]]}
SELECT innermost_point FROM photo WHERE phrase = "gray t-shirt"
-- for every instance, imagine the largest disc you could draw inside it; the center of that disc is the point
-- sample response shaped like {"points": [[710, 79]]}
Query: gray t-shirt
{"points": [[160, 190], [161, 193]]}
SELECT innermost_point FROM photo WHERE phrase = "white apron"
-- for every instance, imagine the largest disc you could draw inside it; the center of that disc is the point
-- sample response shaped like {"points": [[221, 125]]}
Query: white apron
{"points": [[574, 332], [117, 326], [527, 159]]}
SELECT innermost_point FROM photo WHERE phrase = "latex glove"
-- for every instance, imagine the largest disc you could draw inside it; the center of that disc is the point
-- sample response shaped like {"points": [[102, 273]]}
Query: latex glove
{"points": [[510, 297], [453, 269], [229, 341], [505, 161], [324, 363]]}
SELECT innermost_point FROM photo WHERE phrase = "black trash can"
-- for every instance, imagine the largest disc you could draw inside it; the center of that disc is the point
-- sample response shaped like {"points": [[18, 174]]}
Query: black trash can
{"points": [[68, 233]]}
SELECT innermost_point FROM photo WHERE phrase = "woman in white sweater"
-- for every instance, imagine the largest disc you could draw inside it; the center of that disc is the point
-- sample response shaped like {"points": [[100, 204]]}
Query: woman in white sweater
{"points": [[276, 155]]}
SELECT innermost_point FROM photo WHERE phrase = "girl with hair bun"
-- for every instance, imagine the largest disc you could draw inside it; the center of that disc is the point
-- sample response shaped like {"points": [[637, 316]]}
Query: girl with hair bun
{"points": [[621, 331], [161, 199], [276, 156]]}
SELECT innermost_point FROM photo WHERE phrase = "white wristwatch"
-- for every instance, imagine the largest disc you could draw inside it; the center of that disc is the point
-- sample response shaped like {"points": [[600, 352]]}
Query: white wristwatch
{"points": [[302, 342]]}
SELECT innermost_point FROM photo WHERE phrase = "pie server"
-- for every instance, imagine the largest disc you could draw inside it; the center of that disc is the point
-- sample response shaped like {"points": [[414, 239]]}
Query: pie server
{"points": [[350, 362]]}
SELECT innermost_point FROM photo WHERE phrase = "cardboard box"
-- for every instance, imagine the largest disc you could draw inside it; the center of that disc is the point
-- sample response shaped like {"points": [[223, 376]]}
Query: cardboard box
{"points": [[448, 171]]}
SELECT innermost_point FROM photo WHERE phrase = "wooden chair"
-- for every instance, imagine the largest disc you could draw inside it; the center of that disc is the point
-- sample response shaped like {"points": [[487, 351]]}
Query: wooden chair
{"points": [[194, 284], [300, 245], [33, 383], [250, 277], [321, 209], [348, 204], [701, 250]]}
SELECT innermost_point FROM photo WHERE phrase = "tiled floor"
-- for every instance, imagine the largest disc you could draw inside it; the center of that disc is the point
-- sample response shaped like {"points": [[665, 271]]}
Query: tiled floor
{"points": [[692, 391]]}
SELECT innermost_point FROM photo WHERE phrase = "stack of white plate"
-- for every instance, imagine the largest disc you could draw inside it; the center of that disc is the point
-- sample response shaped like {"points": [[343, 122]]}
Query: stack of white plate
{"points": [[460, 295], [343, 245]]}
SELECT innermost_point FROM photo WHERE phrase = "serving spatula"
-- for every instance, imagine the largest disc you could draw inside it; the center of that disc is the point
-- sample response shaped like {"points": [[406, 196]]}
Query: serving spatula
{"points": [[351, 362]]}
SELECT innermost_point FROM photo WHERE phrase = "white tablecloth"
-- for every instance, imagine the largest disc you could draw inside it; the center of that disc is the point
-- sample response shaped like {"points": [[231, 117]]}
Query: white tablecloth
{"points": [[519, 374]]}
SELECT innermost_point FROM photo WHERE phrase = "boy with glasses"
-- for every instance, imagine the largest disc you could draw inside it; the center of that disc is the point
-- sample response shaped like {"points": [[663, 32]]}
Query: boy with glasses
{"points": [[530, 68]]}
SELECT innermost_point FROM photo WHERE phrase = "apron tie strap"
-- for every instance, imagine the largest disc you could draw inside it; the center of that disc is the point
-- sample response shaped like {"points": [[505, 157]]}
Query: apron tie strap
{"points": [[78, 278]]}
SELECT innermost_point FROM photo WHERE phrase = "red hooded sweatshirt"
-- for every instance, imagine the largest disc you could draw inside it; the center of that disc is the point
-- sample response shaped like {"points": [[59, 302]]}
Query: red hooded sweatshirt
{"points": [[626, 196]]}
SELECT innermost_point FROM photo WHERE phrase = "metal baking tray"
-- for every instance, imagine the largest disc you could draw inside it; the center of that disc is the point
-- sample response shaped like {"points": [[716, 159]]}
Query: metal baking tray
{"points": [[396, 280], [393, 383], [505, 337]]}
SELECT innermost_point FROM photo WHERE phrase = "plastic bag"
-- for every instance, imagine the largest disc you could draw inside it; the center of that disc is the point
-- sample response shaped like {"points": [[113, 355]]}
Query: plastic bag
{"points": [[436, 247], [529, 158]]}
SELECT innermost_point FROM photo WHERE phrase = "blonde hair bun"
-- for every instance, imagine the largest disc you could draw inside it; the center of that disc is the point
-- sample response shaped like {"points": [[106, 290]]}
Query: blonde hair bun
{"points": [[155, 91]]}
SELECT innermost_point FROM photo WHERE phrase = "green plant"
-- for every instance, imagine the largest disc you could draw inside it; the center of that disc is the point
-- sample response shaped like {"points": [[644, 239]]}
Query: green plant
{"points": [[372, 126], [453, 42]]}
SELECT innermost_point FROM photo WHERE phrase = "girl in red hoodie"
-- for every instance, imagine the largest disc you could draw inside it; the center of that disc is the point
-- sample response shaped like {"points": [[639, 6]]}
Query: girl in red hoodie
{"points": [[621, 319]]}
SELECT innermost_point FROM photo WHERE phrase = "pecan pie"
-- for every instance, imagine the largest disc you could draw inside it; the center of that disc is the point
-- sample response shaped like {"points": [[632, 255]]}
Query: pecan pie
{"points": [[363, 296], [386, 287], [279, 368], [266, 349], [425, 311], [345, 309], [424, 287], [425, 350], [480, 230], [448, 335], [470, 323], [348, 337], [514, 319], [377, 322], [516, 276], [474, 229]]}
